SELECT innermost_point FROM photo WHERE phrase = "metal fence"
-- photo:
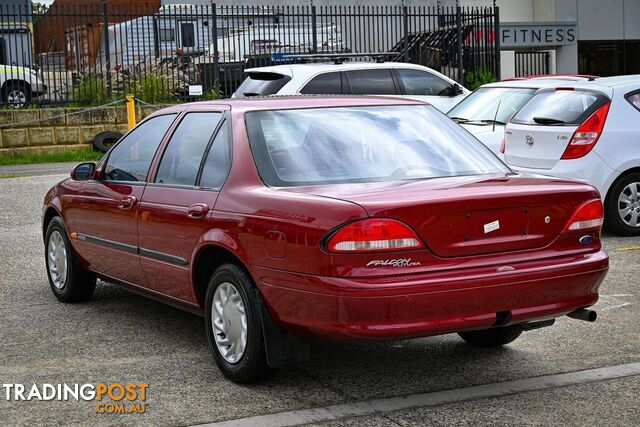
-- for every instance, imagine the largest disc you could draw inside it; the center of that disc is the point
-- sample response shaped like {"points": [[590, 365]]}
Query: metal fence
{"points": [[531, 63], [86, 55]]}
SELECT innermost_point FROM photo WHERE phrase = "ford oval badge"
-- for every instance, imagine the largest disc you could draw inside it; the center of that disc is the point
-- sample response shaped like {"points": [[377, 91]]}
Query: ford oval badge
{"points": [[585, 240]]}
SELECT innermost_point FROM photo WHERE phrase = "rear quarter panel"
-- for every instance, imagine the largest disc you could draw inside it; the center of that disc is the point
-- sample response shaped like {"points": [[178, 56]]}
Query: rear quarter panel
{"points": [[619, 145]]}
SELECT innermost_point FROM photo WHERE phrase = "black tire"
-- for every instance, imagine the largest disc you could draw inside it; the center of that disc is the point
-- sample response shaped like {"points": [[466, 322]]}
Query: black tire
{"points": [[104, 140], [78, 284], [494, 337], [612, 220], [21, 87], [252, 365]]}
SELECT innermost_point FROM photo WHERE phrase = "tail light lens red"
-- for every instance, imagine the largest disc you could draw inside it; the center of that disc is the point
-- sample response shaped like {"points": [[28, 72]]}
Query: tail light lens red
{"points": [[586, 136], [588, 216], [503, 145], [373, 235]]}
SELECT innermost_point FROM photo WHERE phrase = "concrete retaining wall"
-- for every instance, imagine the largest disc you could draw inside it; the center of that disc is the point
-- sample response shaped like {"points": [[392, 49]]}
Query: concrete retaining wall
{"points": [[40, 130]]}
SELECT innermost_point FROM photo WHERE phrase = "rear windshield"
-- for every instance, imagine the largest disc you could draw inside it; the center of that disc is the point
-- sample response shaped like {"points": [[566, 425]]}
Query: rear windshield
{"points": [[363, 144], [491, 103], [559, 107], [262, 84]]}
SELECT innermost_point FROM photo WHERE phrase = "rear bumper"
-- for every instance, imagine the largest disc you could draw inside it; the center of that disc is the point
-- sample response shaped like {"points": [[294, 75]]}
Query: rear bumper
{"points": [[419, 305], [590, 169]]}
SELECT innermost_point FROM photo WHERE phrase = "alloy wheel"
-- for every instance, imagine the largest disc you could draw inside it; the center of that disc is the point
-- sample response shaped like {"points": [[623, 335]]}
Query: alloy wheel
{"points": [[57, 256], [17, 98], [629, 204], [229, 321]]}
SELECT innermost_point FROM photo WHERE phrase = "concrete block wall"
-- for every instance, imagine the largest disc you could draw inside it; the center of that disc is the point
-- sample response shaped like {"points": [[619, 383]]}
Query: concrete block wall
{"points": [[60, 129]]}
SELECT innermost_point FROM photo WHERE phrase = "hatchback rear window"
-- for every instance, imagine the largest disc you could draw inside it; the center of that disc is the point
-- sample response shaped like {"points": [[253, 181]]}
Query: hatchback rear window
{"points": [[262, 84], [559, 107], [363, 144]]}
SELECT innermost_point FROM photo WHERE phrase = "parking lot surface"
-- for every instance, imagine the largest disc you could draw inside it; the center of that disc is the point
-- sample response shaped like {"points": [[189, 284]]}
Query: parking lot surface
{"points": [[119, 337]]}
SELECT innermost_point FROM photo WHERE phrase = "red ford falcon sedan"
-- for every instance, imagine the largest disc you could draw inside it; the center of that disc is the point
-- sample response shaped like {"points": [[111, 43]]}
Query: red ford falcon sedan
{"points": [[288, 219]]}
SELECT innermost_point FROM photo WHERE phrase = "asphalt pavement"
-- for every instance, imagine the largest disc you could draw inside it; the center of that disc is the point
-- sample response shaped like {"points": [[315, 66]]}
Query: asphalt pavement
{"points": [[36, 169], [119, 337]]}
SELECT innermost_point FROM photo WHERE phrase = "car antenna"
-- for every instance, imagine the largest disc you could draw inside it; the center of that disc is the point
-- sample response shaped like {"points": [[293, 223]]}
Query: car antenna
{"points": [[495, 117]]}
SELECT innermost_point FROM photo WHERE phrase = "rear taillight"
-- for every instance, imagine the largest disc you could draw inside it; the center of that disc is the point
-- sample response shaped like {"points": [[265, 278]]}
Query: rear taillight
{"points": [[373, 235], [586, 136], [503, 145], [588, 216]]}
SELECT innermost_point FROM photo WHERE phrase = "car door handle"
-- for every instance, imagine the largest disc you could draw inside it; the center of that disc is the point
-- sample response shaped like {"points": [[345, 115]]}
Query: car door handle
{"points": [[198, 210], [127, 202]]}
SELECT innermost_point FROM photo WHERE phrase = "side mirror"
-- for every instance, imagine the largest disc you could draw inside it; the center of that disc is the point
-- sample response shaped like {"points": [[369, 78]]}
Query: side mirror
{"points": [[83, 171], [456, 89]]}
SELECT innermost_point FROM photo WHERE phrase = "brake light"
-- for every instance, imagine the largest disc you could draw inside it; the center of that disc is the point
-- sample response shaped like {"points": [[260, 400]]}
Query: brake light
{"points": [[589, 215], [373, 235], [503, 145], [586, 136]]}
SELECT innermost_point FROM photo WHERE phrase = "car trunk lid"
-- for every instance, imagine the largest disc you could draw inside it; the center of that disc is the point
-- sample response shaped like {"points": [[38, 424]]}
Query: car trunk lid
{"points": [[466, 216], [537, 136], [538, 147]]}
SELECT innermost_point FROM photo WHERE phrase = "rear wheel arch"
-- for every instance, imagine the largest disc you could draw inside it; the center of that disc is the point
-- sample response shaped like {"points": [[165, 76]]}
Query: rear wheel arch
{"points": [[612, 219], [208, 258], [621, 176]]}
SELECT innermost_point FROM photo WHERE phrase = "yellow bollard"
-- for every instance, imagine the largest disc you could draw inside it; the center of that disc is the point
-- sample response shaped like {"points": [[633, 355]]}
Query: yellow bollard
{"points": [[131, 111]]}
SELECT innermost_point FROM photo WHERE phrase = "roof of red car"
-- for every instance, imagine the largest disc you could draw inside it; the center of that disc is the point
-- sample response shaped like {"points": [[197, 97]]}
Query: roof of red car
{"points": [[286, 102]]}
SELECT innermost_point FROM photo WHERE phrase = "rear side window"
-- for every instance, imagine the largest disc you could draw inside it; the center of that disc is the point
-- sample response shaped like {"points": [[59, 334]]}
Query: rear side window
{"points": [[324, 84], [371, 82], [182, 158], [262, 84], [634, 99], [131, 158], [418, 82], [559, 107], [218, 162]]}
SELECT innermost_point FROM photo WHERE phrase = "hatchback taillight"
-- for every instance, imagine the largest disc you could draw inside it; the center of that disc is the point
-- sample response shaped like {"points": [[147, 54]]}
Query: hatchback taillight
{"points": [[586, 136], [589, 215], [373, 235]]}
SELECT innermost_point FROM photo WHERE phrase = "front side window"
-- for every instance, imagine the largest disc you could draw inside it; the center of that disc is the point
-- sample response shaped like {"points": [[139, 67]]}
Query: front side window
{"points": [[559, 107], [131, 158], [324, 84], [491, 103], [3, 52], [182, 158], [363, 144], [418, 82], [371, 82]]}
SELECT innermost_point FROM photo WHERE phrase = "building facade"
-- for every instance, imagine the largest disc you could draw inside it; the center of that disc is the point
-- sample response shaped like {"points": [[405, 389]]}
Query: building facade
{"points": [[599, 37]]}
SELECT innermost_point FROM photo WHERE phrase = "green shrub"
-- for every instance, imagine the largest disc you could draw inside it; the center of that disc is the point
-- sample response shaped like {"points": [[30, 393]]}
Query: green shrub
{"points": [[92, 90], [152, 88], [478, 77], [210, 95]]}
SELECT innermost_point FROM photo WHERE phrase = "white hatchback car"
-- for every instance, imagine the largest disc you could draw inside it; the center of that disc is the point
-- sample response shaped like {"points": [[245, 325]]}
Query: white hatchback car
{"points": [[354, 78], [589, 132], [485, 112]]}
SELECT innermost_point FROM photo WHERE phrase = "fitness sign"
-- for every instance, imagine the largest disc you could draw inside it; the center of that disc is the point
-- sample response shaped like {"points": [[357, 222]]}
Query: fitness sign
{"points": [[114, 398]]}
